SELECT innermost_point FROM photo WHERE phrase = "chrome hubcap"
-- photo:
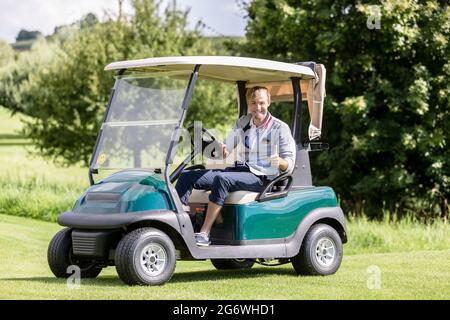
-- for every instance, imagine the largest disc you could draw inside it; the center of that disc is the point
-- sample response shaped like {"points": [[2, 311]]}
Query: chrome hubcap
{"points": [[153, 259], [325, 252]]}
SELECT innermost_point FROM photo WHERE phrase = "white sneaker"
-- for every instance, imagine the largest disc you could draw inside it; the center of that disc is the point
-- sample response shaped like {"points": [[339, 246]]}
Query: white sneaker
{"points": [[202, 239]]}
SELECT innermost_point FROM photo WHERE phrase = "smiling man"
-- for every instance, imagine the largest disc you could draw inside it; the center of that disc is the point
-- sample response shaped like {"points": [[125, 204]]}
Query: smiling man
{"points": [[266, 149]]}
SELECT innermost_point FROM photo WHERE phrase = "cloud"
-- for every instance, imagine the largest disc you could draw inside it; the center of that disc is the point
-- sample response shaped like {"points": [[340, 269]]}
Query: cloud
{"points": [[44, 15], [223, 17]]}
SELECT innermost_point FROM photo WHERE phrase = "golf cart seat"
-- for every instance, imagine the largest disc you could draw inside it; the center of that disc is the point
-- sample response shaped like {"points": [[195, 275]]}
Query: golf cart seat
{"points": [[276, 188], [237, 197]]}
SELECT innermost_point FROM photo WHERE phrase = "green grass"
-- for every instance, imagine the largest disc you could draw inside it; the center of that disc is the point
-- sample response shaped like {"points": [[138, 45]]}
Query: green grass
{"points": [[24, 274], [407, 234], [413, 258], [31, 186]]}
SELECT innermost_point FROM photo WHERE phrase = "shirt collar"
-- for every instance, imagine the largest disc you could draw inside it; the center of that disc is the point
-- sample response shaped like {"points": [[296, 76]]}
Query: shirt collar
{"points": [[265, 124]]}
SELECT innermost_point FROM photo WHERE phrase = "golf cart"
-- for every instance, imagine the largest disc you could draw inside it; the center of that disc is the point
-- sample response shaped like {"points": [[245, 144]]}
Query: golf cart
{"points": [[134, 219]]}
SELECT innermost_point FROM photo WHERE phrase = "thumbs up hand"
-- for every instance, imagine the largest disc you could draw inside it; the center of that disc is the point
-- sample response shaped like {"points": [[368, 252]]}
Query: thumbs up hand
{"points": [[277, 162]]}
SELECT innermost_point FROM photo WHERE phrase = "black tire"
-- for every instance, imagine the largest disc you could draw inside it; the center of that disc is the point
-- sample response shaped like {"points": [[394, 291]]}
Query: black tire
{"points": [[232, 264], [60, 257], [130, 250], [311, 260]]}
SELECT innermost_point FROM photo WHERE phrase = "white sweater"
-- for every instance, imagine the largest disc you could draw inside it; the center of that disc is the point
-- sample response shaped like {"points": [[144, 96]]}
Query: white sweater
{"points": [[257, 145]]}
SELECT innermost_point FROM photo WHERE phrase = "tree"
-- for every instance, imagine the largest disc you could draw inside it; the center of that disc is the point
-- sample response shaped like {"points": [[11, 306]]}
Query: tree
{"points": [[88, 20], [18, 78], [28, 35], [63, 32], [66, 98], [387, 112]]}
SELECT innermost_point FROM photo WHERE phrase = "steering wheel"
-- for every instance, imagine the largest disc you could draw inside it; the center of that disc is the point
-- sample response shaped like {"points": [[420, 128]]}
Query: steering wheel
{"points": [[209, 143]]}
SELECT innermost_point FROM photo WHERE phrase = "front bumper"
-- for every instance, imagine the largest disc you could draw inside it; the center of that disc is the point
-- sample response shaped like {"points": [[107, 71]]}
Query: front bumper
{"points": [[94, 243]]}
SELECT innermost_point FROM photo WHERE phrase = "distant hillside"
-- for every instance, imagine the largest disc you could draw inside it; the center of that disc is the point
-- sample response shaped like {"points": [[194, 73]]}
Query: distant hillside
{"points": [[24, 45]]}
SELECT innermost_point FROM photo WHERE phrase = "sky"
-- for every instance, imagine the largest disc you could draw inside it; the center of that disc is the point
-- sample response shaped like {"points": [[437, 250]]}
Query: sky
{"points": [[222, 17]]}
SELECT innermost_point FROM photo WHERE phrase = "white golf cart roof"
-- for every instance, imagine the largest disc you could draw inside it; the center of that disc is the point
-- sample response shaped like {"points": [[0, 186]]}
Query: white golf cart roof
{"points": [[274, 75], [222, 68]]}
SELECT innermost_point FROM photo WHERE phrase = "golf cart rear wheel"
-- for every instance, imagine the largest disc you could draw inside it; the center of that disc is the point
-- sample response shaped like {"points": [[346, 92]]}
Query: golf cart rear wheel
{"points": [[61, 260], [232, 264], [145, 256], [320, 253]]}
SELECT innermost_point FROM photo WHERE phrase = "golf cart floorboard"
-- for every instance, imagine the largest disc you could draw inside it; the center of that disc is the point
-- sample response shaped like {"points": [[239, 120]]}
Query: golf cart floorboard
{"points": [[240, 251]]}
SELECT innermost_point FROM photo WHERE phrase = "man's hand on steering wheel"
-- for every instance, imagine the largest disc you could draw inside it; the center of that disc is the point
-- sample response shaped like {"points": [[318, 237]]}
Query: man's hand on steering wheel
{"points": [[210, 144]]}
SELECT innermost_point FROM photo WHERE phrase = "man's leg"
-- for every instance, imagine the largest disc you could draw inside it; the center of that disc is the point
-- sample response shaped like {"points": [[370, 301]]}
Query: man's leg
{"points": [[211, 216], [198, 179], [223, 183]]}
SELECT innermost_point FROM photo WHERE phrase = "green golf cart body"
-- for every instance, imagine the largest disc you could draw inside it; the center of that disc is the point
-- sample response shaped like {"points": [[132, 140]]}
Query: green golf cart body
{"points": [[133, 218]]}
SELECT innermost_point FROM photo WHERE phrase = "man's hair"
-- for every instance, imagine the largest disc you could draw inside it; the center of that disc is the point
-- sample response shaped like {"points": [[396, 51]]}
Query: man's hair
{"points": [[251, 92]]}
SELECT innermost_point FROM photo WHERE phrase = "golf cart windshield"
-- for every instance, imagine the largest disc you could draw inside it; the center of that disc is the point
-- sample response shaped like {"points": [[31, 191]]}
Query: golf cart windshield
{"points": [[142, 116]]}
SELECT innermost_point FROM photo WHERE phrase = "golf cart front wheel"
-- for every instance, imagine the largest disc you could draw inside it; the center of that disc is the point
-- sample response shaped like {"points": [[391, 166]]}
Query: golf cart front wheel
{"points": [[320, 253], [145, 256], [232, 264], [61, 260]]}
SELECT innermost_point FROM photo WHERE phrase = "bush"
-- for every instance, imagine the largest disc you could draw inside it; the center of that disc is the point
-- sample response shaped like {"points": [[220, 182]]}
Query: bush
{"points": [[387, 112]]}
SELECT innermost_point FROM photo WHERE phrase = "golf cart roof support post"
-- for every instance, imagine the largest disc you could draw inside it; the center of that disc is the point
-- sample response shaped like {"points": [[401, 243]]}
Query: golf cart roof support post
{"points": [[184, 106], [174, 142], [105, 116], [242, 98], [298, 111]]}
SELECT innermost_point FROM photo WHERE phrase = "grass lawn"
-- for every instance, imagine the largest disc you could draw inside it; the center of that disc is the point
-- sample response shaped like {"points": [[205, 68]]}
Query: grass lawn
{"points": [[413, 258], [30, 185], [24, 274]]}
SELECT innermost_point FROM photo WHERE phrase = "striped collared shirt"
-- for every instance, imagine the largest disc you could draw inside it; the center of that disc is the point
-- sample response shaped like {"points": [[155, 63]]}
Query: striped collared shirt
{"points": [[257, 144]]}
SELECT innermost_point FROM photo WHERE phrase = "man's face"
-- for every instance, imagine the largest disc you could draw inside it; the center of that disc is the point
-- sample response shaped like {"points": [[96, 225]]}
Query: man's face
{"points": [[258, 106]]}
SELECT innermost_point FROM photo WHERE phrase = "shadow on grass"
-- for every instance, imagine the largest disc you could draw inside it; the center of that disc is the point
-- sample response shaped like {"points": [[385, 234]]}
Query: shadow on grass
{"points": [[17, 143], [208, 275], [178, 277], [8, 140], [10, 136], [104, 281]]}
